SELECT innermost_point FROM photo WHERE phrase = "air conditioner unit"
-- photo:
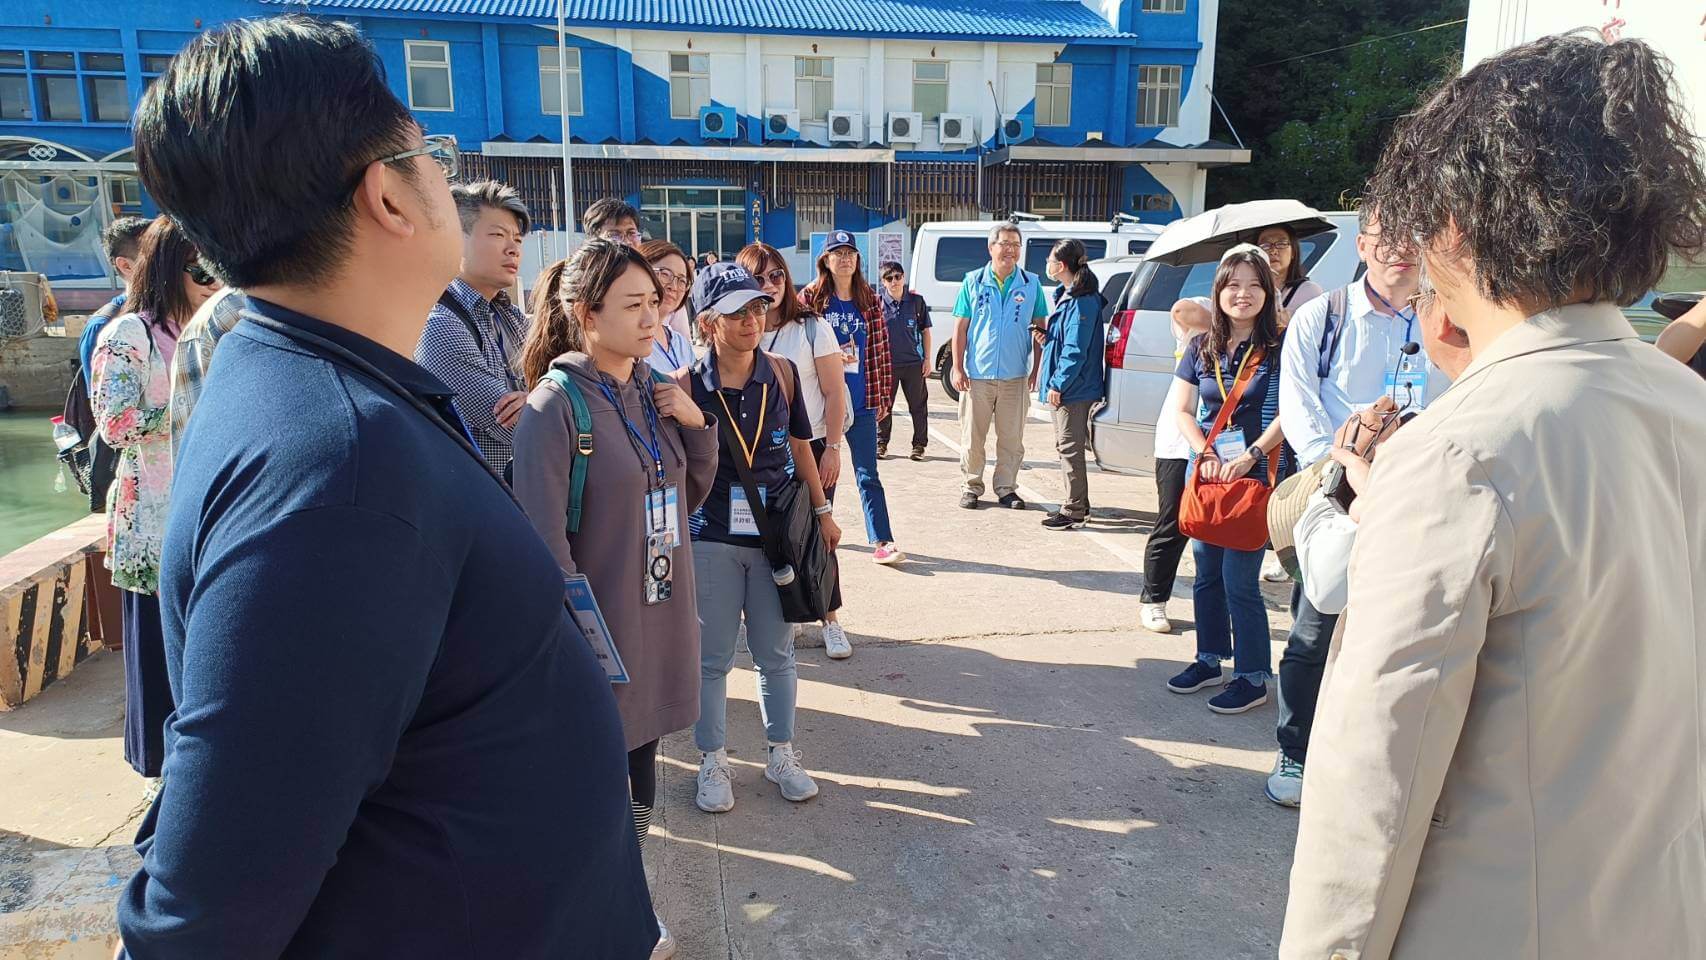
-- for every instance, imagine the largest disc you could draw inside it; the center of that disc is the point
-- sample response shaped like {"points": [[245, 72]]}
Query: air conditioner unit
{"points": [[956, 129], [905, 127], [781, 124], [717, 123], [846, 126], [1015, 129]]}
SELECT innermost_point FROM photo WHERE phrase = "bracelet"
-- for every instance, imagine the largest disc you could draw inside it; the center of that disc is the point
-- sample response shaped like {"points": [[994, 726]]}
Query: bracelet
{"points": [[832, 446], [823, 511]]}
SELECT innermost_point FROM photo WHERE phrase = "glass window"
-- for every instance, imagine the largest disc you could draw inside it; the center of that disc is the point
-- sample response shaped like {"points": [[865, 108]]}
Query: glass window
{"points": [[1163, 6], [550, 90], [1158, 89], [108, 101], [429, 75], [126, 191], [11, 58], [108, 62], [1036, 255], [1169, 284], [689, 84], [156, 62], [1152, 202], [1049, 204], [14, 98], [958, 256], [930, 87], [58, 98], [1054, 94], [53, 61], [814, 87], [733, 233]]}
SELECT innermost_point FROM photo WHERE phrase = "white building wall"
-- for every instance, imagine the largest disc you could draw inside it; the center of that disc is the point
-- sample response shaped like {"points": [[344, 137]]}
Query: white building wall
{"points": [[1196, 107]]}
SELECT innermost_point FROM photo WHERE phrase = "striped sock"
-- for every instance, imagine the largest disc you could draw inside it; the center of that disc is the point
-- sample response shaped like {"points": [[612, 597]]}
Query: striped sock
{"points": [[642, 822]]}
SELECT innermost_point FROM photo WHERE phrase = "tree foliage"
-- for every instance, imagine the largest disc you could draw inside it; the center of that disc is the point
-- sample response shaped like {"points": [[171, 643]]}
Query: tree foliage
{"points": [[1316, 126]]}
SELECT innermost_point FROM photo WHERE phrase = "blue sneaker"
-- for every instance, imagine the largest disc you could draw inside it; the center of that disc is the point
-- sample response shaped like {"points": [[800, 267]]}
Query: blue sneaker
{"points": [[1196, 676], [1240, 695]]}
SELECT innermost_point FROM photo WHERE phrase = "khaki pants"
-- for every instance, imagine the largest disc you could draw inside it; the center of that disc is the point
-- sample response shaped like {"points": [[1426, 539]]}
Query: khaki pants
{"points": [[1071, 438], [1004, 404]]}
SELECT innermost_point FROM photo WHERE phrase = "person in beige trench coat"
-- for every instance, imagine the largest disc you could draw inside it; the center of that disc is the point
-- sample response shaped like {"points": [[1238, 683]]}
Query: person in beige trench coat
{"points": [[1509, 758]]}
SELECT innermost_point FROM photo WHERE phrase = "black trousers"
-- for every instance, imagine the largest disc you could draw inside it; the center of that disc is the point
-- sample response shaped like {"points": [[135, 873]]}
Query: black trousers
{"points": [[1301, 668], [147, 693], [1166, 543], [643, 787], [910, 381]]}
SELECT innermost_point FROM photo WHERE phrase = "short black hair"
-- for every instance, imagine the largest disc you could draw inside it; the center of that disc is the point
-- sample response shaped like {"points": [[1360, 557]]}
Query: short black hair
{"points": [[1567, 164], [123, 237], [254, 137], [606, 212], [890, 266]]}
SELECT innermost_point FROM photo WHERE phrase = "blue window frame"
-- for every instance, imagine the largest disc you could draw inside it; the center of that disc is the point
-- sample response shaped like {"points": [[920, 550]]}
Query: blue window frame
{"points": [[63, 86]]}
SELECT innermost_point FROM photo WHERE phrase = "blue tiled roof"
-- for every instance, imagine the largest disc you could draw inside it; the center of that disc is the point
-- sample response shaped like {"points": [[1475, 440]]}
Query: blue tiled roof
{"points": [[1030, 19]]}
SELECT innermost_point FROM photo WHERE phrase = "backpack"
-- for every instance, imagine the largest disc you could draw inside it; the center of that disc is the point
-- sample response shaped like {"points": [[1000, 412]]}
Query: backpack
{"points": [[583, 440], [1333, 331]]}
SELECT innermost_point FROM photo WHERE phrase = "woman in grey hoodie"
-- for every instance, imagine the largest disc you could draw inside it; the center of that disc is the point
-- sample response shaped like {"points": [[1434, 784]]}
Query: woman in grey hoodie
{"points": [[651, 460]]}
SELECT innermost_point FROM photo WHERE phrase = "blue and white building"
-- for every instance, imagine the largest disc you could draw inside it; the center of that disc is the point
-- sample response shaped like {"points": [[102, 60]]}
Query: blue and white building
{"points": [[725, 121]]}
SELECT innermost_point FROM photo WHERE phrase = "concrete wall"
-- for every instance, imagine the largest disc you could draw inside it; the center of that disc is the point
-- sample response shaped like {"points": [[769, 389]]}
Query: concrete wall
{"points": [[36, 372]]}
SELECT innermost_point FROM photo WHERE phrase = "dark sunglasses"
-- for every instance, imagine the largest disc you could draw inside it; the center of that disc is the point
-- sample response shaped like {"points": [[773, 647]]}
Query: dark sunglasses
{"points": [[893, 276], [773, 276], [199, 275]]}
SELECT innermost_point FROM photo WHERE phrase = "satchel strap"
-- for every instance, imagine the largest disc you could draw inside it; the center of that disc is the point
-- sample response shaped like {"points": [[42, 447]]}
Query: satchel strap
{"points": [[1231, 402]]}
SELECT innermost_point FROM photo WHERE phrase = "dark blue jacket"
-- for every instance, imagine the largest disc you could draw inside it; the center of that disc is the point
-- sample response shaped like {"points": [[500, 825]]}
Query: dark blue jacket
{"points": [[390, 739], [1072, 351]]}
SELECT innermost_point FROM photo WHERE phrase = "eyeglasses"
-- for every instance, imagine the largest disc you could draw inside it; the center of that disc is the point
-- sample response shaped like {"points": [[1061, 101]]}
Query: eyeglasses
{"points": [[441, 148], [756, 310], [774, 276], [630, 237], [844, 253], [1421, 300], [670, 278], [1275, 246], [199, 274], [1007, 244]]}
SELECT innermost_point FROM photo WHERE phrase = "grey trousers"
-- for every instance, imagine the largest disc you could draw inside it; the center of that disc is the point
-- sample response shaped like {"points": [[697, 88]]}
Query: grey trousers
{"points": [[1071, 438], [1003, 405]]}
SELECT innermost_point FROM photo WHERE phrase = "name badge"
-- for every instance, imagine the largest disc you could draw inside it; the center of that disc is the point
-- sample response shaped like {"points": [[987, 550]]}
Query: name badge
{"points": [[850, 356], [1229, 444], [741, 522], [1407, 386], [663, 516], [583, 610]]}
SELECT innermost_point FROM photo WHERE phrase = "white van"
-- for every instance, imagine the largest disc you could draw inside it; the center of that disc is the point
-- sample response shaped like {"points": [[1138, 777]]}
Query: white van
{"points": [[943, 253]]}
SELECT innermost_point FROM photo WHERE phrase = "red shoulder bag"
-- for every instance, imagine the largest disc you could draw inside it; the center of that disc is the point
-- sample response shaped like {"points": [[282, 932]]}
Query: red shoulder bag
{"points": [[1230, 514]]}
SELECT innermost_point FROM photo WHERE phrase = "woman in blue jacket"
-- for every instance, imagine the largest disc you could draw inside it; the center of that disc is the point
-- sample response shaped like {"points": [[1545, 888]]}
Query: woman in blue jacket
{"points": [[1070, 377]]}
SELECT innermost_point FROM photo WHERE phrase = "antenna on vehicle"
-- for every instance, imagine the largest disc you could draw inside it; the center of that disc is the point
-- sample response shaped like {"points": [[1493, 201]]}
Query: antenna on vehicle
{"points": [[1122, 217]]}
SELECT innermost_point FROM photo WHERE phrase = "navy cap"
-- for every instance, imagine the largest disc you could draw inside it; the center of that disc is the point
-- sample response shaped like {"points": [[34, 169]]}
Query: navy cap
{"points": [[724, 287], [838, 239]]}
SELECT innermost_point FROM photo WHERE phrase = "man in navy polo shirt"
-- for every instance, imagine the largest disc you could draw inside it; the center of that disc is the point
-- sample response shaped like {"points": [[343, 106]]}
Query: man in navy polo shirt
{"points": [[390, 741], [992, 358]]}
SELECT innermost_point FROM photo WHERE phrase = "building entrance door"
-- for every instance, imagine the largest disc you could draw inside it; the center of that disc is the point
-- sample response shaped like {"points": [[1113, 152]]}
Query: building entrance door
{"points": [[699, 220]]}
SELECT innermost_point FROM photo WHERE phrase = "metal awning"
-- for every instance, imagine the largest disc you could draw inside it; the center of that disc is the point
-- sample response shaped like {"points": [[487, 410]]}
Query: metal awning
{"points": [[627, 151], [1207, 155]]}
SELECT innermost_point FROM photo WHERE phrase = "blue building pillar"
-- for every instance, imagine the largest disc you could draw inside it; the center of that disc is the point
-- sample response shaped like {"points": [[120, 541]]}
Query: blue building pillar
{"points": [[625, 94], [1122, 117], [491, 72], [132, 65]]}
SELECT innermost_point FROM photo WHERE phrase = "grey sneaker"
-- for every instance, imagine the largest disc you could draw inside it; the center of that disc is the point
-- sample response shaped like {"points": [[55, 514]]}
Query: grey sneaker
{"points": [[835, 642], [784, 770], [716, 783], [666, 945], [1285, 785]]}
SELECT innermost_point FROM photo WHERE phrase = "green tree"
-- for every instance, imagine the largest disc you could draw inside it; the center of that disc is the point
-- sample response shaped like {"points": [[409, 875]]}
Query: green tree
{"points": [[1316, 125]]}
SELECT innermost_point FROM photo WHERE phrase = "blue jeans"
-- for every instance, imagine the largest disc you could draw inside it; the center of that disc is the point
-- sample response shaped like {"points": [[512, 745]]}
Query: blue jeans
{"points": [[862, 441], [730, 581], [1232, 621]]}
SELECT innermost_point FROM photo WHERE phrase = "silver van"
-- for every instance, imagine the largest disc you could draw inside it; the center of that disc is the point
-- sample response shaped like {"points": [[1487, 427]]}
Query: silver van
{"points": [[1140, 344]]}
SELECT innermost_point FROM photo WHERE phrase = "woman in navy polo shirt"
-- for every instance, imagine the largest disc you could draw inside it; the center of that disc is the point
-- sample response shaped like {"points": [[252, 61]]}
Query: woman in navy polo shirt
{"points": [[1242, 342], [755, 397]]}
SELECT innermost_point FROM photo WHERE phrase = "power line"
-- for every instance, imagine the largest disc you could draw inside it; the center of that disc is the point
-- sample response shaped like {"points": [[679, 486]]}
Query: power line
{"points": [[1305, 56]]}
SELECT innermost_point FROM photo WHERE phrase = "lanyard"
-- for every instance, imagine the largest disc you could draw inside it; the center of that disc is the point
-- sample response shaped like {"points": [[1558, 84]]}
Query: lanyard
{"points": [[654, 449], [750, 450], [671, 338], [1224, 394], [1408, 318]]}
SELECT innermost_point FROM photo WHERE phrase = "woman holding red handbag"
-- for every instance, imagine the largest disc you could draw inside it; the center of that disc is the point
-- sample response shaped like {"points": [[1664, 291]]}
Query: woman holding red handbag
{"points": [[1238, 360]]}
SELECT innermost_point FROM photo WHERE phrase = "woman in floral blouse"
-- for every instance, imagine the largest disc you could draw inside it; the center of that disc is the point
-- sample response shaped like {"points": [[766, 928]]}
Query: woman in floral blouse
{"points": [[132, 381]]}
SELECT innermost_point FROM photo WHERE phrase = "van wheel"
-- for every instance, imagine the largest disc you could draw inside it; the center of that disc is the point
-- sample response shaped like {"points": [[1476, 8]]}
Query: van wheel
{"points": [[944, 373]]}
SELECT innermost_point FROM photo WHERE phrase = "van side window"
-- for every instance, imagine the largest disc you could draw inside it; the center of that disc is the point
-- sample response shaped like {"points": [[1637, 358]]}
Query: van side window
{"points": [[1169, 284], [958, 256]]}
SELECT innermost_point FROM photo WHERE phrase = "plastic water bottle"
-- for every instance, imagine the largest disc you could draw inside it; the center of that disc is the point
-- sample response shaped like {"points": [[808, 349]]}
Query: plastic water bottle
{"points": [[64, 437]]}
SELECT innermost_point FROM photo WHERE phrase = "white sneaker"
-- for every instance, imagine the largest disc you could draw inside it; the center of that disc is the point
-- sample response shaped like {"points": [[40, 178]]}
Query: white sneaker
{"points": [[1273, 571], [1285, 784], [1154, 618], [835, 642], [784, 770], [716, 783], [665, 948]]}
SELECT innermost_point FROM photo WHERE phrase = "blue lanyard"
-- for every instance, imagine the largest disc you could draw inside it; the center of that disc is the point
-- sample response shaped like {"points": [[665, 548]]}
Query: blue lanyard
{"points": [[669, 349], [1409, 318], [654, 448]]}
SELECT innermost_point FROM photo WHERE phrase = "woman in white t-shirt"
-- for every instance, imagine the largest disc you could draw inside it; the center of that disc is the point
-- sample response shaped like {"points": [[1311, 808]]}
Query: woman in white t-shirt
{"points": [[808, 340], [674, 348]]}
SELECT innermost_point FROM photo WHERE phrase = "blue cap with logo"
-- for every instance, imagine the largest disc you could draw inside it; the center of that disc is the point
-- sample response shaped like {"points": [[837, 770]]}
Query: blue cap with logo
{"points": [[726, 288], [838, 239]]}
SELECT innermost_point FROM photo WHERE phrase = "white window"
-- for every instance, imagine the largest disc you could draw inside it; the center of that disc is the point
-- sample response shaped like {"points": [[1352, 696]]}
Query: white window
{"points": [[689, 84], [549, 90], [1158, 90], [813, 213], [1054, 94], [930, 87], [429, 75], [814, 87], [1050, 205], [1163, 6]]}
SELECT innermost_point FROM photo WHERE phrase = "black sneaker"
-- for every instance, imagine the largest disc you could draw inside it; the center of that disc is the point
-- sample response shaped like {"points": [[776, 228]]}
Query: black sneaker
{"points": [[1011, 501], [1196, 676], [918, 454], [882, 451], [968, 501], [1240, 695], [1060, 521]]}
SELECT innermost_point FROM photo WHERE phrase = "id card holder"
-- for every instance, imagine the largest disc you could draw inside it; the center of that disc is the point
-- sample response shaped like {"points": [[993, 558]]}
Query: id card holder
{"points": [[850, 356], [583, 610], [1407, 385], [663, 516], [741, 521], [1229, 444]]}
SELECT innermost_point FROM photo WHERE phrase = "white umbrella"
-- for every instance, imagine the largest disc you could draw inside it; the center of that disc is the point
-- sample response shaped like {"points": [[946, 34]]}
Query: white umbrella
{"points": [[1206, 236]]}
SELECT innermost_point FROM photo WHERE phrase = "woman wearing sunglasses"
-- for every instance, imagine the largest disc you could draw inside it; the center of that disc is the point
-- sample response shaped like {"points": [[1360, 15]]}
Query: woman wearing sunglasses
{"points": [[674, 350], [132, 390], [756, 400], [653, 455]]}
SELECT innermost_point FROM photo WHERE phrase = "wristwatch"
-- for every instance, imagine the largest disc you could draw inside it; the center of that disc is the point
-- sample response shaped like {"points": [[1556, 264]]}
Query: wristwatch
{"points": [[823, 510], [832, 446]]}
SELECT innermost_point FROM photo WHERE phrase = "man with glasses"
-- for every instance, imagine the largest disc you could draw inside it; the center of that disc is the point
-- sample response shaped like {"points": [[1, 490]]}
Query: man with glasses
{"points": [[908, 319], [1343, 352], [992, 350], [474, 333], [613, 219], [390, 740]]}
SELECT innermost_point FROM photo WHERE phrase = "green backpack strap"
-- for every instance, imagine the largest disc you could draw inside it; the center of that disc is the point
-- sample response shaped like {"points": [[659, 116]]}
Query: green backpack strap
{"points": [[583, 445]]}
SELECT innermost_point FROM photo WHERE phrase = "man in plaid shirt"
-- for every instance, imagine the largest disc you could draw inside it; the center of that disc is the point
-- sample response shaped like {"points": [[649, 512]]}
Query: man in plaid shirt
{"points": [[474, 335]]}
